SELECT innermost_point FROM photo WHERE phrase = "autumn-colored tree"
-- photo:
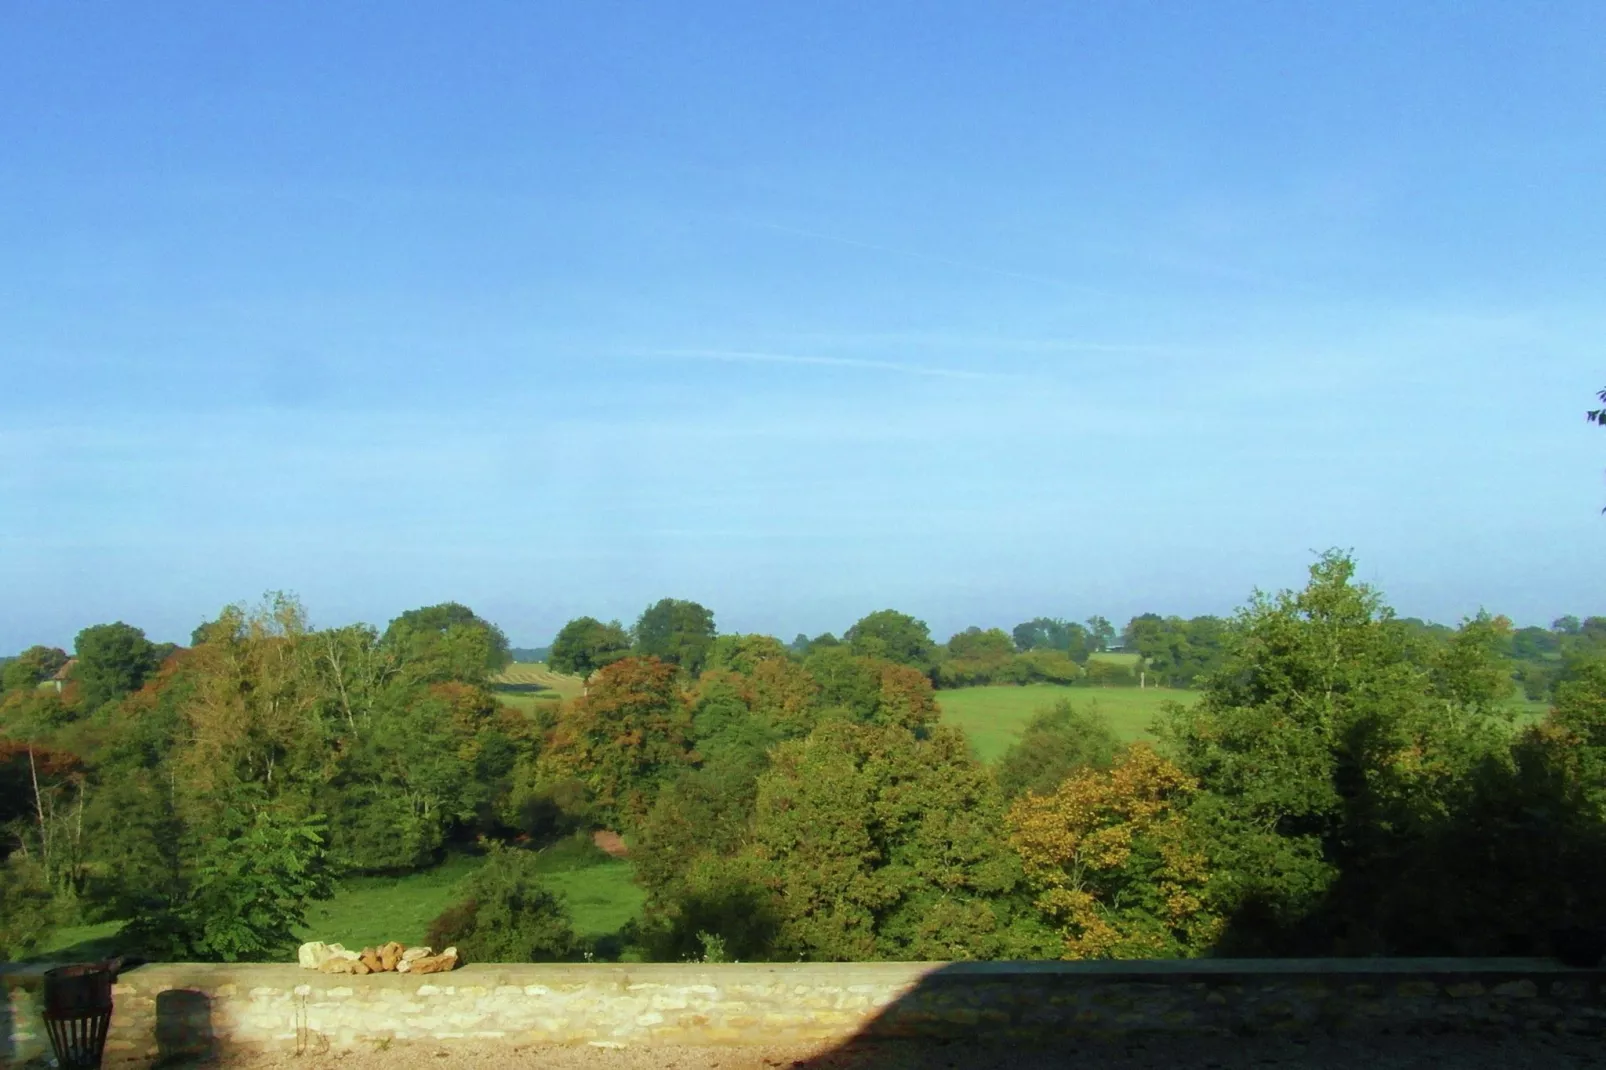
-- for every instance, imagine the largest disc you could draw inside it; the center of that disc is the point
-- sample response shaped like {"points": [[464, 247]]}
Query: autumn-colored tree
{"points": [[1114, 867], [783, 692], [257, 712], [871, 690], [41, 803], [743, 653], [877, 843], [624, 737], [904, 698]]}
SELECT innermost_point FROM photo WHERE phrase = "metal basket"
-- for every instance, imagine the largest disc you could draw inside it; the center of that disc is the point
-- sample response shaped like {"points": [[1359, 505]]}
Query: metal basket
{"points": [[78, 1013]]}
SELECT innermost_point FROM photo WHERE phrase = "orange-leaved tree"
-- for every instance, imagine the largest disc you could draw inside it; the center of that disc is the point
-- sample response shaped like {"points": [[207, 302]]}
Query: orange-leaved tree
{"points": [[624, 737], [1112, 863]]}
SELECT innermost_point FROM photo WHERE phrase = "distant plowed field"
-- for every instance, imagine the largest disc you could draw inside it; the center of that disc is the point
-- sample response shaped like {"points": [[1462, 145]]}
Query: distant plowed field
{"points": [[524, 676]]}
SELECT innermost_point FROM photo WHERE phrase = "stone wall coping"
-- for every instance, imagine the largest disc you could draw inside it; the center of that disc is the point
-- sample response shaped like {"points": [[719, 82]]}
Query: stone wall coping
{"points": [[283, 975]]}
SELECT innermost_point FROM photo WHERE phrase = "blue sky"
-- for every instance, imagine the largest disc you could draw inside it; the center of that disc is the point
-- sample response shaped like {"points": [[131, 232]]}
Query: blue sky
{"points": [[980, 311]]}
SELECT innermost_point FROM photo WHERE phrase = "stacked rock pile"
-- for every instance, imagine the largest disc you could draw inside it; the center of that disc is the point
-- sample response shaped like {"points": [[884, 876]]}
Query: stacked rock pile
{"points": [[392, 957]]}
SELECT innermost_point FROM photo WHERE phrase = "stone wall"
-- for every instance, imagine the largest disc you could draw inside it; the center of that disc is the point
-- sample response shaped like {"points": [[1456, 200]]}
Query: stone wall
{"points": [[167, 1009]]}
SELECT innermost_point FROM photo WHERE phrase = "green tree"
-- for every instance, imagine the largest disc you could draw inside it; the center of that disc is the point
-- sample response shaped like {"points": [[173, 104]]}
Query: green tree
{"points": [[252, 734], [1325, 739], [1179, 652], [682, 852], [676, 631], [507, 914], [29, 911], [990, 645], [878, 844], [895, 636], [975, 657], [743, 653], [1052, 633], [1057, 742], [113, 660], [1043, 666], [32, 667], [585, 645], [448, 642], [1101, 633], [250, 877]]}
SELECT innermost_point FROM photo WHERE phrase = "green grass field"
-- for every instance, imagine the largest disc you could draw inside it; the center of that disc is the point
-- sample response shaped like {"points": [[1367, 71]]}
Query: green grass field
{"points": [[993, 717], [528, 686], [369, 911], [535, 678]]}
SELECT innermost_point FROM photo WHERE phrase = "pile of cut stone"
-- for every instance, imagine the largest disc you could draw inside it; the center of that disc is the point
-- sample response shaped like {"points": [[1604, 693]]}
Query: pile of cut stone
{"points": [[393, 957]]}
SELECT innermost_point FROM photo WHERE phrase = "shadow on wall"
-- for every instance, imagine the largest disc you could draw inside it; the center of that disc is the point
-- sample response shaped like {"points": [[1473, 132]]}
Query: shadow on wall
{"points": [[1226, 1013], [184, 1029]]}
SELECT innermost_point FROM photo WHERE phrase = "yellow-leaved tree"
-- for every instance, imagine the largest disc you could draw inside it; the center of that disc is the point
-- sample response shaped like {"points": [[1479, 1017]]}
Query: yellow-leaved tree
{"points": [[1112, 863]]}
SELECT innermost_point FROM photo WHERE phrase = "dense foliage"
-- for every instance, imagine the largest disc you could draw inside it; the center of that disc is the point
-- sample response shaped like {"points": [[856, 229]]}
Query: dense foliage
{"points": [[1347, 782], [1059, 741], [507, 915], [1115, 862]]}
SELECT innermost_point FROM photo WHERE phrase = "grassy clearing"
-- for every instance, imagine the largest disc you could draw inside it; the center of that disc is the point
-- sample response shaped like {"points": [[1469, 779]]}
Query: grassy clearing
{"points": [[994, 717], [368, 911], [534, 678], [528, 703], [81, 943], [532, 686]]}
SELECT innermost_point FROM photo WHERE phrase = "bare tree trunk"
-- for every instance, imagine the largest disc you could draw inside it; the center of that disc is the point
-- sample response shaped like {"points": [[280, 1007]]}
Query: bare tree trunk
{"points": [[340, 682], [39, 811]]}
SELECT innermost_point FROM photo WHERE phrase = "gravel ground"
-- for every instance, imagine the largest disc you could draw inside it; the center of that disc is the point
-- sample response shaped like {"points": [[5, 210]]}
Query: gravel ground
{"points": [[1372, 1053]]}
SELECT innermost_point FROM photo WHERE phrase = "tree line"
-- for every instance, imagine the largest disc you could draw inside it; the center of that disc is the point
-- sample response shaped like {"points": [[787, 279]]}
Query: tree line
{"points": [[1347, 782], [1167, 651], [1043, 650]]}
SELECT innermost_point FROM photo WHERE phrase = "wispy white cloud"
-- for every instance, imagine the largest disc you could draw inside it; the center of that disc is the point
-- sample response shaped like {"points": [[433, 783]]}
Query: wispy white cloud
{"points": [[930, 258], [989, 343], [744, 356]]}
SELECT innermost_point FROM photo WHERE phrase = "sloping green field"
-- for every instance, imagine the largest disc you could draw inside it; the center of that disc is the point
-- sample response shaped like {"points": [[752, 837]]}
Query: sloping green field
{"points": [[994, 717], [369, 911], [534, 678]]}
